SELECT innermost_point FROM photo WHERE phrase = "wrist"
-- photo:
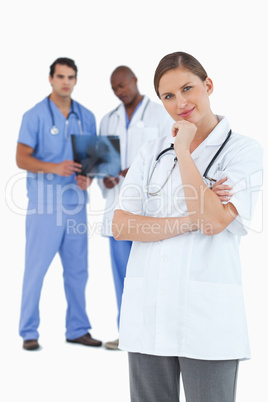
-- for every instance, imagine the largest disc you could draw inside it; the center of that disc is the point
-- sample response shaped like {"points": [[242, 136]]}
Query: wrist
{"points": [[51, 167], [190, 221], [182, 150]]}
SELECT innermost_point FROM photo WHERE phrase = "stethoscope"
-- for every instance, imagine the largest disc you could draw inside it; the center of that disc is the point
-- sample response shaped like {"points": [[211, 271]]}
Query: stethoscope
{"points": [[139, 124], [54, 130], [205, 175]]}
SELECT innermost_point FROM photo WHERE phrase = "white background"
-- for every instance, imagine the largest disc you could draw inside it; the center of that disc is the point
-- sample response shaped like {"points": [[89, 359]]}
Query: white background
{"points": [[230, 40]]}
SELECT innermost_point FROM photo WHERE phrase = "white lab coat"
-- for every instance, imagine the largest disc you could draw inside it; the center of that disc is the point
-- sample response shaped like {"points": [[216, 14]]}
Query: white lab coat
{"points": [[183, 296], [149, 122]]}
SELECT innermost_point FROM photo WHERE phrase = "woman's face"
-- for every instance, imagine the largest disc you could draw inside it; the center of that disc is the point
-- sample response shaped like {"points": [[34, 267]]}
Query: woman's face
{"points": [[185, 96]]}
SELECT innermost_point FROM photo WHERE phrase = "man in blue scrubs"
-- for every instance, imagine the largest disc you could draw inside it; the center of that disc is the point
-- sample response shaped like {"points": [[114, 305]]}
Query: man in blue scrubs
{"points": [[56, 218]]}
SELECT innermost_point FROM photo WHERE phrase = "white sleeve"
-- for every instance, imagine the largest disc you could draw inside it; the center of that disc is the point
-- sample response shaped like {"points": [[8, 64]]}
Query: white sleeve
{"points": [[131, 197], [244, 173]]}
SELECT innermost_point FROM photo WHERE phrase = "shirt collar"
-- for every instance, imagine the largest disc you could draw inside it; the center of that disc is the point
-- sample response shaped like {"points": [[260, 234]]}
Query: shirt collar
{"points": [[218, 135], [128, 121]]}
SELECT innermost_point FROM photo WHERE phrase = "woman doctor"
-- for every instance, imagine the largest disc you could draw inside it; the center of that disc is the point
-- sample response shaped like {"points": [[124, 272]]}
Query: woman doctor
{"points": [[182, 310]]}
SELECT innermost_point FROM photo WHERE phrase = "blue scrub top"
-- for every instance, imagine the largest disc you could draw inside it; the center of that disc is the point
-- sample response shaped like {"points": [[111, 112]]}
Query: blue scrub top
{"points": [[135, 110], [35, 132]]}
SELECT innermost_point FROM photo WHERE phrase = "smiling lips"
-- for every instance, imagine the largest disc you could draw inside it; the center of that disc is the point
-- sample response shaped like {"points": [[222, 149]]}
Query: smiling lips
{"points": [[186, 113]]}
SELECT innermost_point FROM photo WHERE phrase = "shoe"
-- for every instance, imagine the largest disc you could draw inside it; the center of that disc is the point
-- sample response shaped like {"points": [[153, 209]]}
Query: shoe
{"points": [[31, 344], [86, 340], [112, 345]]}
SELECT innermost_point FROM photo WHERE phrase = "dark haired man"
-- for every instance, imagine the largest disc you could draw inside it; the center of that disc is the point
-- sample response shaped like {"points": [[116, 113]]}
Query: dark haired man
{"points": [[63, 61], [56, 217]]}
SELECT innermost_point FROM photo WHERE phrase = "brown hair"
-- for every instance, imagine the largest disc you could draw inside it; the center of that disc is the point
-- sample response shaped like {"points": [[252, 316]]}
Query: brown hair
{"points": [[175, 60]]}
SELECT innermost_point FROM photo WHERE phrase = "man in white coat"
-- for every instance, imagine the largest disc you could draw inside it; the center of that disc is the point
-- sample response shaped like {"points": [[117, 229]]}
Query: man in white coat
{"points": [[136, 120]]}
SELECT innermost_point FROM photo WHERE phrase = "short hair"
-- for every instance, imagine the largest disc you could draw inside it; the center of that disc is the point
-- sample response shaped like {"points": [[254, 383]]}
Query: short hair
{"points": [[175, 60], [123, 69], [63, 61]]}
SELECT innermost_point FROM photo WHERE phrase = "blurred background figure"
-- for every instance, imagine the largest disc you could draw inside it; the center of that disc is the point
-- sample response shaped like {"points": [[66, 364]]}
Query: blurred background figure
{"points": [[135, 120], [57, 195]]}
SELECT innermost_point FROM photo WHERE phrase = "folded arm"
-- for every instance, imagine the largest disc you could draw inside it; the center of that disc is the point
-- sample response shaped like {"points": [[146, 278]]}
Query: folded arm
{"points": [[127, 226], [204, 206]]}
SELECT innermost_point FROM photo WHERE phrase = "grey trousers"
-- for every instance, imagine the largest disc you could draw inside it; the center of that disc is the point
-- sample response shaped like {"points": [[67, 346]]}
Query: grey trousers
{"points": [[157, 379]]}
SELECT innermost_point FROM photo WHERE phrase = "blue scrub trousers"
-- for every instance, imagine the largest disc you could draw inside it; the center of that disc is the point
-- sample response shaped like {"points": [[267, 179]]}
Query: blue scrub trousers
{"points": [[119, 251], [47, 234]]}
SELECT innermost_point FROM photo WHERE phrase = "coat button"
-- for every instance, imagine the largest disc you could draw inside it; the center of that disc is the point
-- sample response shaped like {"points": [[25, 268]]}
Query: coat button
{"points": [[164, 258]]}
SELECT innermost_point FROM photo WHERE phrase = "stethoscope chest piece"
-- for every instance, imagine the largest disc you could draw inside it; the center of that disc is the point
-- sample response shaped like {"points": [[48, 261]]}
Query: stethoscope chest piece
{"points": [[140, 124], [54, 130]]}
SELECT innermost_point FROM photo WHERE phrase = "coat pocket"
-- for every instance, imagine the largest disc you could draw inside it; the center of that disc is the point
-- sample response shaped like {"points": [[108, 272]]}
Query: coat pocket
{"points": [[131, 313], [216, 322]]}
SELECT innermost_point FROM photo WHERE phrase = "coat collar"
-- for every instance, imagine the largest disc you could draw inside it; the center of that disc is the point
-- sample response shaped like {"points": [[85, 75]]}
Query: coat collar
{"points": [[120, 110]]}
